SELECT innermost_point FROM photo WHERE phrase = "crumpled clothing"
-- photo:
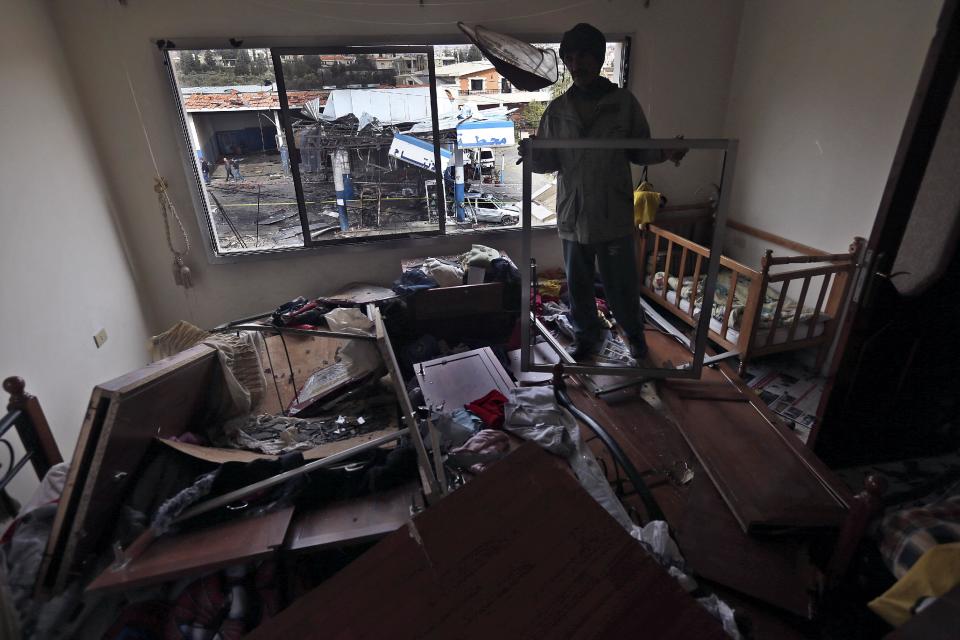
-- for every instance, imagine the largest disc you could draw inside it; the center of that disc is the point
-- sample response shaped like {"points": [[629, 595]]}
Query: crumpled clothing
{"points": [[243, 384], [349, 320], [413, 280], [478, 256], [50, 488], [300, 313], [224, 605], [456, 427], [550, 289], [274, 435], [533, 414], [480, 451], [228, 477], [445, 273], [489, 409], [502, 270]]}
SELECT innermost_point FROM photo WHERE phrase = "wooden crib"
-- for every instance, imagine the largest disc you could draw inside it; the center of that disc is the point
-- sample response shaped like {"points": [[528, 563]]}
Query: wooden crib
{"points": [[755, 336]]}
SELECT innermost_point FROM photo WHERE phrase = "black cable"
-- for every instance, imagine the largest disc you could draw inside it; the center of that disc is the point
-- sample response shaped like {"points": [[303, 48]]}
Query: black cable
{"points": [[649, 502]]}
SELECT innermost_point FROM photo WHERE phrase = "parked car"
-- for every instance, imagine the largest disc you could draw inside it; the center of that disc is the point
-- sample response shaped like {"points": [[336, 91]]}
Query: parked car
{"points": [[486, 207]]}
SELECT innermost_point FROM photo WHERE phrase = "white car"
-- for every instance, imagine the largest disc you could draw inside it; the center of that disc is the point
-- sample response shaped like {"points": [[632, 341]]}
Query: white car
{"points": [[485, 207]]}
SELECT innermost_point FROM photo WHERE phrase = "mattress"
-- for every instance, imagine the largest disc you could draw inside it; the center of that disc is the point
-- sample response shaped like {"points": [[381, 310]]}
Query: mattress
{"points": [[779, 337]]}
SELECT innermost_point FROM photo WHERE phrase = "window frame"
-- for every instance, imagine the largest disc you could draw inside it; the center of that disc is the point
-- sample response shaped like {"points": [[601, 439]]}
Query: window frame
{"points": [[419, 243], [286, 120]]}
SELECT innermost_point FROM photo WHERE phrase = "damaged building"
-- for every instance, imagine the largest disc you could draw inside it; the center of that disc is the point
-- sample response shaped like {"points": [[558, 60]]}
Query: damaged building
{"points": [[465, 319]]}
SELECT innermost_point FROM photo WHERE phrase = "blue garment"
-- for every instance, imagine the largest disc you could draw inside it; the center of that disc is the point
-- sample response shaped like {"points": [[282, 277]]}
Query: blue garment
{"points": [[618, 271], [413, 280]]}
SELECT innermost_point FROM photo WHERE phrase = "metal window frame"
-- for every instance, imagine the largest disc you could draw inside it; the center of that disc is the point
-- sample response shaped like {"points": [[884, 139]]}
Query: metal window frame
{"points": [[276, 53], [528, 323], [212, 251]]}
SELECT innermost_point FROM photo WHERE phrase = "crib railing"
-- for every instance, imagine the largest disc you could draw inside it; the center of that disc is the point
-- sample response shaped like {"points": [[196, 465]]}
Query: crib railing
{"points": [[682, 258]]}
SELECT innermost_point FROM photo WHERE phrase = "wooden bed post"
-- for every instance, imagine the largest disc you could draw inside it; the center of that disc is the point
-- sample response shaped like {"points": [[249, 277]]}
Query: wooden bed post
{"points": [[865, 506]]}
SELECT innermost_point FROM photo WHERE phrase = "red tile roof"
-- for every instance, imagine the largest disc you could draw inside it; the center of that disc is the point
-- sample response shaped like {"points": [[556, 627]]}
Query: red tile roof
{"points": [[235, 100]]}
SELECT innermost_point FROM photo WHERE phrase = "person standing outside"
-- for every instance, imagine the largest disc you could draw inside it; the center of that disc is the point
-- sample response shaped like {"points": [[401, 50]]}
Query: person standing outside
{"points": [[595, 191]]}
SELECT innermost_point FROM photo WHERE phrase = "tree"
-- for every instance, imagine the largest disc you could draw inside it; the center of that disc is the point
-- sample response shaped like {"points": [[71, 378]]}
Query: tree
{"points": [[560, 86], [473, 54], [244, 65], [532, 113], [189, 62], [366, 63], [209, 61]]}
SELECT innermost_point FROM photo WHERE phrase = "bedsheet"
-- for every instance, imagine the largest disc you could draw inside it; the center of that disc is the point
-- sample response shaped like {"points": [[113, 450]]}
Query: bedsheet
{"points": [[760, 336], [724, 282]]}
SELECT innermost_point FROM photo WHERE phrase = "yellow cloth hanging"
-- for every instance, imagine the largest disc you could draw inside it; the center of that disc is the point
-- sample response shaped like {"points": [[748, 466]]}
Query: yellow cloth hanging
{"points": [[936, 572], [646, 201]]}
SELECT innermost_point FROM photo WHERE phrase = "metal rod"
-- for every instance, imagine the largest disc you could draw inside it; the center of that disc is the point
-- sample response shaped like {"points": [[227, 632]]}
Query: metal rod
{"points": [[269, 328], [435, 129], [280, 478], [293, 380], [16, 468], [525, 258], [665, 324], [437, 455], [287, 122], [273, 374], [9, 420], [691, 144]]}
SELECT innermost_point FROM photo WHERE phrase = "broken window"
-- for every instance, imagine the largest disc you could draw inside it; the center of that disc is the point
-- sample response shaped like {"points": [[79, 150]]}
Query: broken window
{"points": [[295, 148]]}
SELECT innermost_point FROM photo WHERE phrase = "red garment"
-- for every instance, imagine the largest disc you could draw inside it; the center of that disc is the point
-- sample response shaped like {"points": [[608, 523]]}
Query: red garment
{"points": [[489, 408]]}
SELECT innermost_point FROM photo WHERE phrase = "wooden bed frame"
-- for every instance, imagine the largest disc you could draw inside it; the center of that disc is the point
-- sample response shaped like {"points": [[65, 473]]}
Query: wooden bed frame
{"points": [[838, 270]]}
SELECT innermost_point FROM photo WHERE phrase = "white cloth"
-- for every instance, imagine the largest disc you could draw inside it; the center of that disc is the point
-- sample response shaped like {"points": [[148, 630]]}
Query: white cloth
{"points": [[446, 274]]}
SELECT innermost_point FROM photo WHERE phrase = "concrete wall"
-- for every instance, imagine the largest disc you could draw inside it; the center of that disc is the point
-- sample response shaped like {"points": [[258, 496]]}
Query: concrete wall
{"points": [[820, 93], [65, 273], [682, 63]]}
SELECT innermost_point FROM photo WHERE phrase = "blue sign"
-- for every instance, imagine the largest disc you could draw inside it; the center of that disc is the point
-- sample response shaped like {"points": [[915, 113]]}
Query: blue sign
{"points": [[485, 133]]}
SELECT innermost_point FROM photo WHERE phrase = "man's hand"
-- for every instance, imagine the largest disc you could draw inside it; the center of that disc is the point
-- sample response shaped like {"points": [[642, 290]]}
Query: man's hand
{"points": [[522, 148], [675, 155]]}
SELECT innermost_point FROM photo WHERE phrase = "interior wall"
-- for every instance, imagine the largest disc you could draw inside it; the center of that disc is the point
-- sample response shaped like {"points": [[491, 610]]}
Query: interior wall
{"points": [[820, 93], [65, 274], [682, 61]]}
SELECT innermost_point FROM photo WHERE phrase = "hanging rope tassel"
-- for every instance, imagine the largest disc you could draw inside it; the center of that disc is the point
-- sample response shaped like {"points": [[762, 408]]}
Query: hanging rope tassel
{"points": [[181, 272]]}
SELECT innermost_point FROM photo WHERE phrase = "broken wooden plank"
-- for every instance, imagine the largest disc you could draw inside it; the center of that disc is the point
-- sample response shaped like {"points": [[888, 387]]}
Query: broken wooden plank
{"points": [[773, 570], [347, 522], [522, 551], [196, 552], [766, 485], [162, 399], [463, 300]]}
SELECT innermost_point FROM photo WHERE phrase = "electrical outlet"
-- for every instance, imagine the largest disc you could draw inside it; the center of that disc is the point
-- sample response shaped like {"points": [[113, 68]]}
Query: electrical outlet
{"points": [[100, 337]]}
